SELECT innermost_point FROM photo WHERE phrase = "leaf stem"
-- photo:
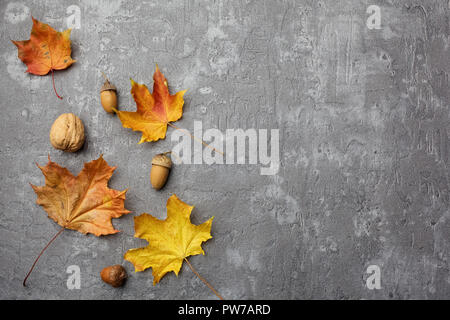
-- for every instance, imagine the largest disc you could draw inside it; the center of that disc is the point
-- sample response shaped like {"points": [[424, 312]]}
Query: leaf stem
{"points": [[195, 138], [40, 254], [204, 281], [54, 88]]}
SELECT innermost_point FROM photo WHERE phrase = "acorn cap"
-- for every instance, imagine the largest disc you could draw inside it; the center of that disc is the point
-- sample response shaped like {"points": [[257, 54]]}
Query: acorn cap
{"points": [[162, 160], [108, 86]]}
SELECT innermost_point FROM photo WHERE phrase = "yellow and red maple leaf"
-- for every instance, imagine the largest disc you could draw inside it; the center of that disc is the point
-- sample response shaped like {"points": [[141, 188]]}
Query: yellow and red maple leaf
{"points": [[154, 110]]}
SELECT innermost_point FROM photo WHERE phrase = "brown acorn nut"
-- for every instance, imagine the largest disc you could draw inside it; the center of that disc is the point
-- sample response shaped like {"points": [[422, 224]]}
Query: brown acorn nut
{"points": [[108, 97], [114, 275], [67, 133], [161, 165]]}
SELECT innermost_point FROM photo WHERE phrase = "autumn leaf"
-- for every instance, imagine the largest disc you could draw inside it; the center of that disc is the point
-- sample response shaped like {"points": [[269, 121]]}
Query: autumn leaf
{"points": [[47, 50], [83, 203], [154, 110], [170, 241]]}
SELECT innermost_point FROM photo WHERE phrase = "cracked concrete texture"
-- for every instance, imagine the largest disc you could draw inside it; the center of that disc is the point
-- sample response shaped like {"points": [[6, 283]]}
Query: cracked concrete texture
{"points": [[364, 146]]}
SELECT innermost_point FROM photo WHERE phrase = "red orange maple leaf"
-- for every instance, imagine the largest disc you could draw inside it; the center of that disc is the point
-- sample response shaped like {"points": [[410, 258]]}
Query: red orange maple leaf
{"points": [[46, 51]]}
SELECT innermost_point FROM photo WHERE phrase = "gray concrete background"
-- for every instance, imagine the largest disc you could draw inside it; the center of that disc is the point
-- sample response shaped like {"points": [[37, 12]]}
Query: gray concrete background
{"points": [[363, 118]]}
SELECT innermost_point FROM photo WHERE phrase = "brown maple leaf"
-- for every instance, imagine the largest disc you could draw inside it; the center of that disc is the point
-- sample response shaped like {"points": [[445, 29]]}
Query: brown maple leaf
{"points": [[47, 50], [83, 203]]}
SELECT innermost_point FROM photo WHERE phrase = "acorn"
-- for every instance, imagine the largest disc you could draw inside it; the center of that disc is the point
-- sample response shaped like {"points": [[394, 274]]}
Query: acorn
{"points": [[108, 96], [161, 165], [114, 275]]}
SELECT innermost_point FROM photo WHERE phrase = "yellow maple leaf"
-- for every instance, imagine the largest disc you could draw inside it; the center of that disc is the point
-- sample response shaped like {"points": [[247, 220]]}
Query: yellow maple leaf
{"points": [[170, 240]]}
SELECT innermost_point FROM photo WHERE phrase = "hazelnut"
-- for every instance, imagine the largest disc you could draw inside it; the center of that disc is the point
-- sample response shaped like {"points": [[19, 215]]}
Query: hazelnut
{"points": [[67, 133], [161, 165], [114, 275], [108, 97]]}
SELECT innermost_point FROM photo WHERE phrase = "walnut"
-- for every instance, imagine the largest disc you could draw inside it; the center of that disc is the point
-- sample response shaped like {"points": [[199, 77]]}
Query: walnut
{"points": [[67, 133]]}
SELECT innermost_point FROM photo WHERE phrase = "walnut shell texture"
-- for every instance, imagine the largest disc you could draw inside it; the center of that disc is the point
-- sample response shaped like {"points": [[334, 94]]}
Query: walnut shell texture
{"points": [[67, 133]]}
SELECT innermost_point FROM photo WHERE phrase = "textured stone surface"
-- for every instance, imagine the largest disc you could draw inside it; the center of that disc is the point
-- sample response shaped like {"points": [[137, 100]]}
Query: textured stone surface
{"points": [[364, 145]]}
